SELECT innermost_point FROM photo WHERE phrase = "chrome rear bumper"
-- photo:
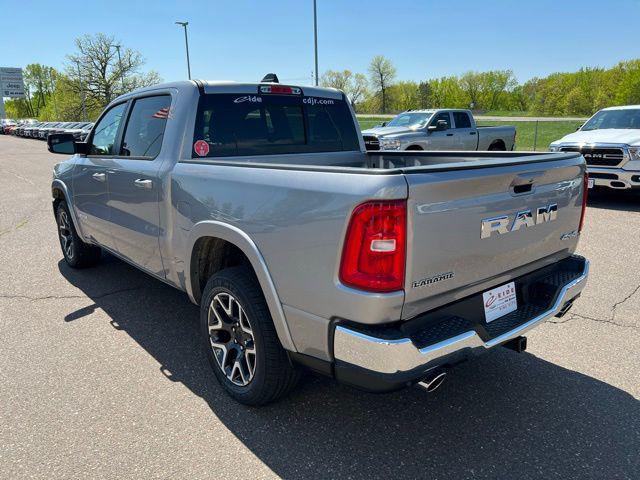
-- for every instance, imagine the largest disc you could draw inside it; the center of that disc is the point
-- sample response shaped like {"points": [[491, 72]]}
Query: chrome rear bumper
{"points": [[397, 357]]}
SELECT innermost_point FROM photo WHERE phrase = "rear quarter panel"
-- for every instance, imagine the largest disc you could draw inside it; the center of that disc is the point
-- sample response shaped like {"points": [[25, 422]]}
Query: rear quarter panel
{"points": [[297, 220]]}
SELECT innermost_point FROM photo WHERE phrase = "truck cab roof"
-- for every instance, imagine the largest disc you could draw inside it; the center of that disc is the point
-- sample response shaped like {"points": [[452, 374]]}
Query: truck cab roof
{"points": [[226, 86]]}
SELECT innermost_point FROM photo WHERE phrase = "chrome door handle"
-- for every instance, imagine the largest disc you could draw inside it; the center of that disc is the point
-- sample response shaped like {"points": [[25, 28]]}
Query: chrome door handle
{"points": [[100, 177], [143, 183]]}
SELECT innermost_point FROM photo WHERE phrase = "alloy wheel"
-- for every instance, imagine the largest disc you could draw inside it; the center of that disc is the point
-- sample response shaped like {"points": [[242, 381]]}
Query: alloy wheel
{"points": [[231, 339], [66, 237]]}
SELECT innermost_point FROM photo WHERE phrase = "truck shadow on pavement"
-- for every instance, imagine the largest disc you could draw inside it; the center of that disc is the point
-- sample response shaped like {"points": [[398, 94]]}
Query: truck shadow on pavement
{"points": [[608, 199], [506, 415]]}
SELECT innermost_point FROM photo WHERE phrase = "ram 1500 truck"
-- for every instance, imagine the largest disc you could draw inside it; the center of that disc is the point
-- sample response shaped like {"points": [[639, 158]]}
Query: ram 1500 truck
{"points": [[438, 130], [610, 144], [380, 269]]}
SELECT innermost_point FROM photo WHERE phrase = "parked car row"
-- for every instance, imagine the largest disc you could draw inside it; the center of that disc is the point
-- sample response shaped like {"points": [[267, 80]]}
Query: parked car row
{"points": [[31, 128]]}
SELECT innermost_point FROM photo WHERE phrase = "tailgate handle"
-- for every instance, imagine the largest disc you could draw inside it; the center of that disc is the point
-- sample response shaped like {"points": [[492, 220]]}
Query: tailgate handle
{"points": [[524, 183], [520, 189]]}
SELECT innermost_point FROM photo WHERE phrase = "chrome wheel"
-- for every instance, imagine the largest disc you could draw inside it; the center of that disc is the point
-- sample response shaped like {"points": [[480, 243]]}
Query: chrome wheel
{"points": [[66, 237], [231, 339]]}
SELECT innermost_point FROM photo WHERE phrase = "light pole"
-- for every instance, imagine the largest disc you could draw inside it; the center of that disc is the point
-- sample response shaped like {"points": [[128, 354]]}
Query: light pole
{"points": [[315, 36], [186, 42], [120, 66]]}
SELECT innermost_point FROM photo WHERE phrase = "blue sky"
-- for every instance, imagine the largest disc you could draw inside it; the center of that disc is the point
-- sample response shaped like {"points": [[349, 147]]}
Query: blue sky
{"points": [[242, 40]]}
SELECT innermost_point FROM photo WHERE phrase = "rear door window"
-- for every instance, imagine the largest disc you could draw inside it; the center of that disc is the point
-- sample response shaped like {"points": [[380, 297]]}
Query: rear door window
{"points": [[237, 125], [145, 127], [461, 119]]}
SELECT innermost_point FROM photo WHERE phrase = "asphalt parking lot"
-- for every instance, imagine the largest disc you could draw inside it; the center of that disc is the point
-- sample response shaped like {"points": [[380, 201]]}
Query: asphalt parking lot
{"points": [[102, 376]]}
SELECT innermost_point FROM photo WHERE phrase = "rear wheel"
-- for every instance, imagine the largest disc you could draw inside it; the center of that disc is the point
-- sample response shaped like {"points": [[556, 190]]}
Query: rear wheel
{"points": [[497, 147], [77, 253], [240, 339]]}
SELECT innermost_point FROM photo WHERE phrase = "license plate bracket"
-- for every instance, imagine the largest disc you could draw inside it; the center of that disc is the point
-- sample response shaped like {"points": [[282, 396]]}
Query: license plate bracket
{"points": [[499, 301]]}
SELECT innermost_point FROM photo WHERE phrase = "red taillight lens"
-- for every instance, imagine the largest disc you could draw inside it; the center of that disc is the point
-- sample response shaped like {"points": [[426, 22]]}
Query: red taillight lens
{"points": [[585, 194], [373, 256]]}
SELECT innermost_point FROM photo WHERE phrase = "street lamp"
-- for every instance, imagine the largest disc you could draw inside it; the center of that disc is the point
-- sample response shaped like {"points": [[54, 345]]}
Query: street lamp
{"points": [[315, 36], [120, 66], [186, 42]]}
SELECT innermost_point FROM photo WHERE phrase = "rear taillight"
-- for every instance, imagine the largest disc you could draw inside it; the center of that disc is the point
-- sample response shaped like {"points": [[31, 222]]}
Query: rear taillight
{"points": [[585, 194], [373, 257]]}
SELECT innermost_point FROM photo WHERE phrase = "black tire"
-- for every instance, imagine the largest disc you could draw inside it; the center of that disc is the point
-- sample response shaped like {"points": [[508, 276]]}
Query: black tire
{"points": [[497, 147], [273, 374], [77, 253], [414, 148]]}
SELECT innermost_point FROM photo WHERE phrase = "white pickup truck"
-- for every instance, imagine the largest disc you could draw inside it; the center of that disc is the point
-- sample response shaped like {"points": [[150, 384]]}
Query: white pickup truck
{"points": [[610, 143], [440, 129]]}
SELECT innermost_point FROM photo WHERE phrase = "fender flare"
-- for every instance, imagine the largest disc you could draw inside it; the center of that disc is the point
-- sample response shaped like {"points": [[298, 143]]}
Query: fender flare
{"points": [[60, 185], [235, 236]]}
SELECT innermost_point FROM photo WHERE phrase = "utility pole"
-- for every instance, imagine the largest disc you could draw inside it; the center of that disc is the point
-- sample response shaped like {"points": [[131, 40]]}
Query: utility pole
{"points": [[315, 36], [186, 42], [82, 92], [120, 67]]}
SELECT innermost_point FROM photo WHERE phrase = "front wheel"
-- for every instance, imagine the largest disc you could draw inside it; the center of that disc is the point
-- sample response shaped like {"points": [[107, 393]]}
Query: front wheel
{"points": [[77, 253], [240, 339]]}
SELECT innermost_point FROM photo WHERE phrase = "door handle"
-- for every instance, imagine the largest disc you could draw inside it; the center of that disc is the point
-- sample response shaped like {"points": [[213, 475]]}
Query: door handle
{"points": [[100, 177], [143, 183], [472, 133], [449, 134]]}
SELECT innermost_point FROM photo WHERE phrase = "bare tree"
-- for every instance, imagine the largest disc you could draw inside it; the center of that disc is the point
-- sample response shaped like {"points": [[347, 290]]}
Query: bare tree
{"points": [[382, 74], [355, 86], [96, 70]]}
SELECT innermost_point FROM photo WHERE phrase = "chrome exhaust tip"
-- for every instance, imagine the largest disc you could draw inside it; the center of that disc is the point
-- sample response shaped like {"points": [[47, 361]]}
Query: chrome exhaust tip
{"points": [[433, 381]]}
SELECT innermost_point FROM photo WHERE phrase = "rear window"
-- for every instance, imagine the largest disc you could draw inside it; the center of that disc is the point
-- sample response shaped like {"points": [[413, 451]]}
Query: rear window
{"points": [[234, 125]]}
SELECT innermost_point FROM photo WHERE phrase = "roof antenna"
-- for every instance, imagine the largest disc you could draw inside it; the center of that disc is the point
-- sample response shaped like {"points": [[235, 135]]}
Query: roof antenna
{"points": [[270, 78]]}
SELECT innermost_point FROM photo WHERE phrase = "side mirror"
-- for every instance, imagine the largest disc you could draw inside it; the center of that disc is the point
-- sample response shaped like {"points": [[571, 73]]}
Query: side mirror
{"points": [[580, 126], [438, 127], [64, 143], [383, 124]]}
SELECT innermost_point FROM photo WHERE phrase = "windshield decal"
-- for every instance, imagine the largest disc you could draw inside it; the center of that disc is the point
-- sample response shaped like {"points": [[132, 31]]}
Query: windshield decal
{"points": [[248, 98], [317, 101]]}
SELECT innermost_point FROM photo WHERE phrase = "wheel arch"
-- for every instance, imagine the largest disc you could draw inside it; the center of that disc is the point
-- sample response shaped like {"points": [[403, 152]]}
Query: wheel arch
{"points": [[502, 146], [60, 193], [212, 239]]}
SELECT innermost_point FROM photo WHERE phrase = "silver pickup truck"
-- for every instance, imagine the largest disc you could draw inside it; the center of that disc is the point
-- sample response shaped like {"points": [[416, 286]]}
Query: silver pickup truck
{"points": [[302, 249], [438, 130], [610, 144]]}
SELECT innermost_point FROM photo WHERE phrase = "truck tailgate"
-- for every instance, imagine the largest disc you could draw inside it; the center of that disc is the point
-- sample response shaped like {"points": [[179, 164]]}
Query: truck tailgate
{"points": [[448, 257]]}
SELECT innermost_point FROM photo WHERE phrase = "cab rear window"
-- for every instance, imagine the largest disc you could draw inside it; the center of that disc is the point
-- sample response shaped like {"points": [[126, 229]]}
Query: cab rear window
{"points": [[236, 125]]}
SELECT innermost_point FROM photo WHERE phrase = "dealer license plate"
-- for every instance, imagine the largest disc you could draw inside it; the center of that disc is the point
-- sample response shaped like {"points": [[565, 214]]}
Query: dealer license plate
{"points": [[499, 301]]}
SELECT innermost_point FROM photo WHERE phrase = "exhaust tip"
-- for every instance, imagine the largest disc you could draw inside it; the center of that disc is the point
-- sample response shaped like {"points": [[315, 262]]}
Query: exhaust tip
{"points": [[433, 381]]}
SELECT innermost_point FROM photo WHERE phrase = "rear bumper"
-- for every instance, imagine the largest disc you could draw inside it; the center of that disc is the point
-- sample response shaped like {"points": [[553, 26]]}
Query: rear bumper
{"points": [[388, 358], [614, 178]]}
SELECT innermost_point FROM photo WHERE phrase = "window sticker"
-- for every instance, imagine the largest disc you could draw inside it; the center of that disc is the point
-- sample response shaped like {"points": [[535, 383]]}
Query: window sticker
{"points": [[201, 148]]}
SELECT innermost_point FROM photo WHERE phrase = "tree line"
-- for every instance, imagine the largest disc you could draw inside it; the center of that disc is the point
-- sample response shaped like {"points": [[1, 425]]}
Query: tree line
{"points": [[97, 72], [575, 93], [100, 69]]}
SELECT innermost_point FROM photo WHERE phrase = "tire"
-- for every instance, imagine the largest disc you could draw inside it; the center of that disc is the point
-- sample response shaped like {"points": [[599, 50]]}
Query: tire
{"points": [[233, 353], [77, 253], [497, 147], [414, 148]]}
